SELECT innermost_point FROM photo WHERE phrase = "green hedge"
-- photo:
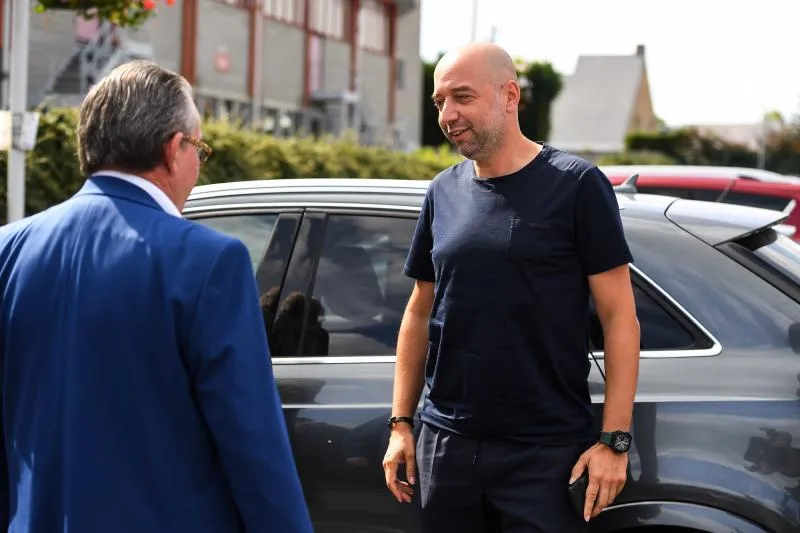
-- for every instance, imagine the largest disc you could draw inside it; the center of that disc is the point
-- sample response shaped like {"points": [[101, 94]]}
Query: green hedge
{"points": [[52, 173]]}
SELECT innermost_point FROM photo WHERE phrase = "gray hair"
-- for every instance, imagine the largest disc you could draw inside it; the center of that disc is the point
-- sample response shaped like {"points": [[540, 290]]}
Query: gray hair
{"points": [[130, 114]]}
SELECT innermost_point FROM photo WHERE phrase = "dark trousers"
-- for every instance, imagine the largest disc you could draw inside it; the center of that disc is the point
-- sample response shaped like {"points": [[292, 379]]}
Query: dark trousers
{"points": [[495, 486]]}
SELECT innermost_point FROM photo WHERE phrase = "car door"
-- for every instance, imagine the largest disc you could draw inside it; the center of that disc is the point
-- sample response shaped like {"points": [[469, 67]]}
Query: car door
{"points": [[334, 338]]}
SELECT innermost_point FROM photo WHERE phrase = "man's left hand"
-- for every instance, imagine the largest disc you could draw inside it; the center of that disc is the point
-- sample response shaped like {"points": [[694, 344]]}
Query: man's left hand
{"points": [[607, 477]]}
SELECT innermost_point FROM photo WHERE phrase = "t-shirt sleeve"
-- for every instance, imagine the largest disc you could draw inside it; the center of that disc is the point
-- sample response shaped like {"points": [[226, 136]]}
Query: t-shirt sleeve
{"points": [[601, 239], [419, 263]]}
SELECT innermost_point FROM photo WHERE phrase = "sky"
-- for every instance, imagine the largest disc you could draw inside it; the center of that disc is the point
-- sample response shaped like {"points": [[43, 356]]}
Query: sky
{"points": [[708, 61]]}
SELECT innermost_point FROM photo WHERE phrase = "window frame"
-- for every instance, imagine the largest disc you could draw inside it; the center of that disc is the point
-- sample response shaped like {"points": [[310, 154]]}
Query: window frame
{"points": [[199, 212], [274, 10], [226, 214], [661, 297], [330, 19], [311, 210], [374, 12]]}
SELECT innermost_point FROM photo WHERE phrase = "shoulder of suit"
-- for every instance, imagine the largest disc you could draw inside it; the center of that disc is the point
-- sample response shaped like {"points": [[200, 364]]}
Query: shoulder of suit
{"points": [[198, 234]]}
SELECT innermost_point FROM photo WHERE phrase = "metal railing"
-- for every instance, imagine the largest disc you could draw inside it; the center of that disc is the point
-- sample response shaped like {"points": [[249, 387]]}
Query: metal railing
{"points": [[96, 55]]}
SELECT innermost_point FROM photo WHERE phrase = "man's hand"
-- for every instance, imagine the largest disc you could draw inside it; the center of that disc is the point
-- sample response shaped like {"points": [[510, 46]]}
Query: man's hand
{"points": [[607, 476], [401, 450]]}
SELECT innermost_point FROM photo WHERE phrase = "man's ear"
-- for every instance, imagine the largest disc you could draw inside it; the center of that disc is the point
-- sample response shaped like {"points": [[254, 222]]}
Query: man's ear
{"points": [[512, 96], [172, 149]]}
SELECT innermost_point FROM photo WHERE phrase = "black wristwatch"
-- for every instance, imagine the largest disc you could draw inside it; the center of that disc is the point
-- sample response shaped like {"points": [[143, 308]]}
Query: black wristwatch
{"points": [[395, 419], [618, 441]]}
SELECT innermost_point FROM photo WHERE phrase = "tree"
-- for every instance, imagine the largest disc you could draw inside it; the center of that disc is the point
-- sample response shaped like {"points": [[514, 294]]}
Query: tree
{"points": [[541, 83], [431, 132], [123, 13]]}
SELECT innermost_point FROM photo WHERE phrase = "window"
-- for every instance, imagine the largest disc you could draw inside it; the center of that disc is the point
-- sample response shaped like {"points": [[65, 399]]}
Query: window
{"points": [[659, 330], [253, 230], [781, 252], [329, 17], [773, 256], [360, 291], [400, 74], [316, 67], [763, 201], [236, 3], [373, 26], [291, 11]]}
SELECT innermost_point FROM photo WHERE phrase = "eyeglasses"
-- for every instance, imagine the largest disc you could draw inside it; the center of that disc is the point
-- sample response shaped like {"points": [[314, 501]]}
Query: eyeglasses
{"points": [[203, 150]]}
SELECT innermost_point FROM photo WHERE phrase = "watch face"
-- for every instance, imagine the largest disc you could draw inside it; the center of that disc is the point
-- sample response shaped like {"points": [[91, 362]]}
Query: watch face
{"points": [[622, 442]]}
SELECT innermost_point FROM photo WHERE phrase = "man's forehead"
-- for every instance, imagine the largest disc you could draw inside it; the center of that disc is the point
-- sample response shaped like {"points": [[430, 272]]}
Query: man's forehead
{"points": [[452, 87], [457, 76]]}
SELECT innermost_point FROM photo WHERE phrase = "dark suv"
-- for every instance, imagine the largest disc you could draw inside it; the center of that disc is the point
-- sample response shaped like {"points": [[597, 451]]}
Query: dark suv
{"points": [[717, 419]]}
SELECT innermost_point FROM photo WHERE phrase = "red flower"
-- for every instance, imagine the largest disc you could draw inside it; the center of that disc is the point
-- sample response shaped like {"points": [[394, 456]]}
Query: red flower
{"points": [[148, 4]]}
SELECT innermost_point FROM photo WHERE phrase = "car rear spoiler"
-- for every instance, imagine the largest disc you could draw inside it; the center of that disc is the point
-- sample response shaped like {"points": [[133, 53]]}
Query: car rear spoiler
{"points": [[716, 223], [628, 186], [785, 229]]}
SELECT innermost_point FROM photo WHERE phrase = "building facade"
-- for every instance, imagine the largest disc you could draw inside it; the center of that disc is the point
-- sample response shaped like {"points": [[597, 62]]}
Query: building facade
{"points": [[283, 66]]}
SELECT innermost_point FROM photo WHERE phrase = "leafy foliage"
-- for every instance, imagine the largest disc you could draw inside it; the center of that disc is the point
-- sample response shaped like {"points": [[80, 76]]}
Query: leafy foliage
{"points": [[123, 13], [53, 173], [640, 157], [544, 85]]}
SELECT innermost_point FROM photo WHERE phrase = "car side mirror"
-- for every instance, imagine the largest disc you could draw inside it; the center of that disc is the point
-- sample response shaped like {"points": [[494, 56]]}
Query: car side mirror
{"points": [[794, 337]]}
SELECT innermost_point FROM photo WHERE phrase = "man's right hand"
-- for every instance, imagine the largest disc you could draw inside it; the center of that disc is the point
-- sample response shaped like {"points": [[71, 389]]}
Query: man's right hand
{"points": [[401, 450]]}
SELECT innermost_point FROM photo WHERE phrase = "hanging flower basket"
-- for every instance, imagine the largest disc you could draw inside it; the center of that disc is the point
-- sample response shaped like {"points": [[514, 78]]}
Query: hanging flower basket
{"points": [[123, 13]]}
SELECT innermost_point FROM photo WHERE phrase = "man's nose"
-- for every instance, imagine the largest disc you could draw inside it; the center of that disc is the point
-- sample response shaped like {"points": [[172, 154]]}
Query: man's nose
{"points": [[449, 114]]}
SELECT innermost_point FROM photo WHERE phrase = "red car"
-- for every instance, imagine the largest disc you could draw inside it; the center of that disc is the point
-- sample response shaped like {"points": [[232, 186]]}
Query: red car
{"points": [[718, 184]]}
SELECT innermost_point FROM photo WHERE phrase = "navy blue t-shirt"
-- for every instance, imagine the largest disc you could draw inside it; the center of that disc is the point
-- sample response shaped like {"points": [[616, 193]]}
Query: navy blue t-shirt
{"points": [[509, 257]]}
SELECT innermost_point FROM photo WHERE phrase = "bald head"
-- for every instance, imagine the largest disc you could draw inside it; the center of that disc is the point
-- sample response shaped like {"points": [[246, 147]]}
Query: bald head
{"points": [[476, 91], [483, 60]]}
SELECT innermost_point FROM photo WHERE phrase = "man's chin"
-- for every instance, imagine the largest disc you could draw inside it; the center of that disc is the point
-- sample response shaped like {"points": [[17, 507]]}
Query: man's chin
{"points": [[466, 149]]}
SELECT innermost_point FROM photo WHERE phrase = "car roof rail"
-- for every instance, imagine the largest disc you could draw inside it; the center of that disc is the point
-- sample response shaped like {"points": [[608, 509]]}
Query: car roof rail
{"points": [[629, 185]]}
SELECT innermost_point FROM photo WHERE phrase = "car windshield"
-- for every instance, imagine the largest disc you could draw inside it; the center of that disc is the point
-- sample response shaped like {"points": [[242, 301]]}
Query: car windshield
{"points": [[783, 254]]}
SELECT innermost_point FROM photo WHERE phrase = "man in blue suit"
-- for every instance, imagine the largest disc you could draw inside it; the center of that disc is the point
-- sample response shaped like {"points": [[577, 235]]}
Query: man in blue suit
{"points": [[137, 390]]}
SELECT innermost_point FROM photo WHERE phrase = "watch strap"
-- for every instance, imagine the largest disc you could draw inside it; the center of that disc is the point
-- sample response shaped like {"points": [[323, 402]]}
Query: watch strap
{"points": [[395, 419]]}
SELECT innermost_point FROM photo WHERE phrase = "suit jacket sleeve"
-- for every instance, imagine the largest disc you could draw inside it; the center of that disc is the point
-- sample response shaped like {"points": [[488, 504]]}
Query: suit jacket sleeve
{"points": [[236, 392]]}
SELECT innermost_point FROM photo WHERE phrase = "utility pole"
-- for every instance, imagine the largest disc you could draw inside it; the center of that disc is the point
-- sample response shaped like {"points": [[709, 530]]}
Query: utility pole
{"points": [[18, 103], [258, 68]]}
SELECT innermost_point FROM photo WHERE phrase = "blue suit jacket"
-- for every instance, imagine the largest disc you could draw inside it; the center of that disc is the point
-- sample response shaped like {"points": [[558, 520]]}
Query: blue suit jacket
{"points": [[137, 389]]}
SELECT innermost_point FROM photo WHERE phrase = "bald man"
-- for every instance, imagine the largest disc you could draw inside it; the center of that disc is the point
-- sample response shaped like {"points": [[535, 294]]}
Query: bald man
{"points": [[509, 247]]}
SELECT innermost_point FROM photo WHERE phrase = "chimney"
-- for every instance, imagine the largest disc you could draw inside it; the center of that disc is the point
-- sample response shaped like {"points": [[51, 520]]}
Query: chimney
{"points": [[640, 50]]}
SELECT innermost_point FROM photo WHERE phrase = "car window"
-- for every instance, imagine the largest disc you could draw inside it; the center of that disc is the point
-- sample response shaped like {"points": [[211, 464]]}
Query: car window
{"points": [[775, 251], [763, 201], [659, 329], [360, 292], [253, 230], [783, 254]]}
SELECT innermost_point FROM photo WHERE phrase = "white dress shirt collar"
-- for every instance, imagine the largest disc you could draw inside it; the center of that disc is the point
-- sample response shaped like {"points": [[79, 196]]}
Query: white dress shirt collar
{"points": [[150, 188]]}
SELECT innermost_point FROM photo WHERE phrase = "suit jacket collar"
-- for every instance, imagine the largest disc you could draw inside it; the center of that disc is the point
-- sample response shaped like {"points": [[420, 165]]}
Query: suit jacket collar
{"points": [[117, 188]]}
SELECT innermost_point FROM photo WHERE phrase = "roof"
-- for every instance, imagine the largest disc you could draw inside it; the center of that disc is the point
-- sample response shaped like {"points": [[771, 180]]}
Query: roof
{"points": [[748, 135], [399, 193], [594, 109], [706, 220]]}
